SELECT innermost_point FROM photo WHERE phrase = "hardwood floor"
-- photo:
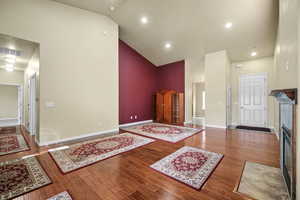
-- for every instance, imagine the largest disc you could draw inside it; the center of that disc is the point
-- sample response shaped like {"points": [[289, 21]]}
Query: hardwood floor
{"points": [[129, 177]]}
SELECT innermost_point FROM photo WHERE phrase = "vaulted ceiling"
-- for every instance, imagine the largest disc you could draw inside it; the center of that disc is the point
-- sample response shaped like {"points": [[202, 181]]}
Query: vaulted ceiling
{"points": [[193, 27]]}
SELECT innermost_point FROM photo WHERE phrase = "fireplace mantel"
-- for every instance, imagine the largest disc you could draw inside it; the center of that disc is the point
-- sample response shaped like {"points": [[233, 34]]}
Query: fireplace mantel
{"points": [[285, 95]]}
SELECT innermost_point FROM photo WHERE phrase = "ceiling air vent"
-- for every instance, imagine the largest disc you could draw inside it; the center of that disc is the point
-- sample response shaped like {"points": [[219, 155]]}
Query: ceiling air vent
{"points": [[8, 51]]}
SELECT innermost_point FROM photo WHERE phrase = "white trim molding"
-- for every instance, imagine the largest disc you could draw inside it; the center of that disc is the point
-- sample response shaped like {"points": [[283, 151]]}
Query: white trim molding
{"points": [[135, 123], [78, 137], [4, 122], [216, 126]]}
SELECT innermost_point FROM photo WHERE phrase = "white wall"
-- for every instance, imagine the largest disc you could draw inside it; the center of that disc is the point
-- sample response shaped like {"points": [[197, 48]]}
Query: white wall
{"points": [[194, 73], [216, 83], [8, 102], [263, 65], [78, 65], [15, 77]]}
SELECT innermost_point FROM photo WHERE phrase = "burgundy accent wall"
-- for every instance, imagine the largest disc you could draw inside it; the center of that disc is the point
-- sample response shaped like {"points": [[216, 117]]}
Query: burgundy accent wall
{"points": [[171, 77], [139, 80], [137, 85]]}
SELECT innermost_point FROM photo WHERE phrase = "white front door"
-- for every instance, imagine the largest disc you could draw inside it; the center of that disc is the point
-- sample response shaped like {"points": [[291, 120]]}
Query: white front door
{"points": [[253, 100]]}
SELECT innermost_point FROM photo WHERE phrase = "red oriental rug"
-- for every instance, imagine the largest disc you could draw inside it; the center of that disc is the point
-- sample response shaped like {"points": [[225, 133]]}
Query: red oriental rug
{"points": [[83, 154], [189, 165], [20, 176], [165, 132], [12, 143]]}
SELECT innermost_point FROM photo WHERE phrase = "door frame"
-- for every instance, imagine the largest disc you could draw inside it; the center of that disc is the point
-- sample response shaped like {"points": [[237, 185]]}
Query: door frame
{"points": [[15, 121], [261, 74], [32, 111]]}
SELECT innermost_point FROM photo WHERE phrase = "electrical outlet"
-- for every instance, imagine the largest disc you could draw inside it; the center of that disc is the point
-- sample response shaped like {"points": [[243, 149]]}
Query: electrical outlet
{"points": [[287, 66]]}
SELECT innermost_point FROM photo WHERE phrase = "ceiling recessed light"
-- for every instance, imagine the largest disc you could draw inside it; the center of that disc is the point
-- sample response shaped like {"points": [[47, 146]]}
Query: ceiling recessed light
{"points": [[144, 20], [112, 8], [228, 25], [10, 60], [253, 53], [168, 45], [9, 67]]}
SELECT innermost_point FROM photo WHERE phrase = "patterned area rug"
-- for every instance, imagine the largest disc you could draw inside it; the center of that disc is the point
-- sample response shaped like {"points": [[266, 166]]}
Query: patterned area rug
{"points": [[262, 182], [21, 176], [8, 130], [61, 196], [189, 165], [12, 143], [165, 132], [86, 153]]}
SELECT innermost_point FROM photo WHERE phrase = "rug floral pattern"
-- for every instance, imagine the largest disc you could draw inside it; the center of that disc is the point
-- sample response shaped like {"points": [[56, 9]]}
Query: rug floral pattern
{"points": [[189, 165], [21, 176], [165, 132], [86, 153], [12, 143]]}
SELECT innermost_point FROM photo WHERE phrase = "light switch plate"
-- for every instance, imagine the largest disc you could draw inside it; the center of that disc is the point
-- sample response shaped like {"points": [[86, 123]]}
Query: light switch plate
{"points": [[50, 104]]}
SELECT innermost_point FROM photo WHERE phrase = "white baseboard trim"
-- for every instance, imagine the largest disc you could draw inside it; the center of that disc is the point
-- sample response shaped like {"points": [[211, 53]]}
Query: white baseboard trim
{"points": [[9, 122], [215, 126], [188, 122], [135, 123], [78, 137]]}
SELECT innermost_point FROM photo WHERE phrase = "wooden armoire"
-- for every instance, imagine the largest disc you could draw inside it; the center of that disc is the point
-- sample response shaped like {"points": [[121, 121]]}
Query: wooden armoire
{"points": [[169, 107]]}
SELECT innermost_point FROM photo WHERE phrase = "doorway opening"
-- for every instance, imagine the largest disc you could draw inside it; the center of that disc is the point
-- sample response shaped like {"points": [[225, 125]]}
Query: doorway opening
{"points": [[19, 69], [11, 104]]}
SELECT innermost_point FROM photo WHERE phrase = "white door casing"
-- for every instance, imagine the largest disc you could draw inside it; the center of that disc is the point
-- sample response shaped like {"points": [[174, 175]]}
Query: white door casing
{"points": [[32, 104], [253, 100]]}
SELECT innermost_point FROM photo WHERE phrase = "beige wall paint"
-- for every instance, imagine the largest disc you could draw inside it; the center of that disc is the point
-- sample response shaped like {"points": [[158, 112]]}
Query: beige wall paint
{"points": [[264, 65], [8, 102], [15, 77], [216, 74], [198, 89], [78, 65], [194, 73]]}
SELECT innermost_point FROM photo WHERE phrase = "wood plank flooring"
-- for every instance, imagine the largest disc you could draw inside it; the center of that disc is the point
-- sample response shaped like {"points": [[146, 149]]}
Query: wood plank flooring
{"points": [[129, 177]]}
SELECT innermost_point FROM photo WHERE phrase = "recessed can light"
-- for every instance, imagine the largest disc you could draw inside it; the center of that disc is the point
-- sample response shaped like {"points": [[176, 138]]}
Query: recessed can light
{"points": [[253, 53], [228, 25], [144, 20], [112, 8], [168, 45], [9, 67]]}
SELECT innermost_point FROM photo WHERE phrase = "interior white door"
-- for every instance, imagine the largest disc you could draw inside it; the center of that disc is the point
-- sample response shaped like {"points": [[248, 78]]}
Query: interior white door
{"points": [[32, 104], [253, 100]]}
